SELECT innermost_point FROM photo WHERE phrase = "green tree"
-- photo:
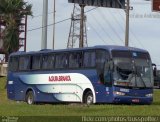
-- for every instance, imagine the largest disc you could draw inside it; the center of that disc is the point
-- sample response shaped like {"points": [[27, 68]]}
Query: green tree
{"points": [[12, 11]]}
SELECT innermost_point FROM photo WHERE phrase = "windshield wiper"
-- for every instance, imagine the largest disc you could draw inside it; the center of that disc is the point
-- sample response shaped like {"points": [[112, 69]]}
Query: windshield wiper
{"points": [[130, 76], [139, 75], [143, 81], [134, 74]]}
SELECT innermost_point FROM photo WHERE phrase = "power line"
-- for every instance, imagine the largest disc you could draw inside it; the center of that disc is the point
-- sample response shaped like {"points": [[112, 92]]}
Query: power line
{"points": [[91, 9], [103, 28], [123, 30], [49, 25], [59, 21], [103, 16], [133, 34], [97, 33], [132, 31]]}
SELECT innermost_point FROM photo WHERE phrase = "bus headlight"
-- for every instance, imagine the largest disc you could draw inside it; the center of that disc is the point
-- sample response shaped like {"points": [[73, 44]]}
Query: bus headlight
{"points": [[10, 82], [149, 95], [119, 93]]}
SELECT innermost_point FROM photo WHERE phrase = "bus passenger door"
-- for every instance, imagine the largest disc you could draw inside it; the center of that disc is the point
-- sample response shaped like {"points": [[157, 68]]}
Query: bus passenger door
{"points": [[104, 84], [108, 68], [104, 88]]}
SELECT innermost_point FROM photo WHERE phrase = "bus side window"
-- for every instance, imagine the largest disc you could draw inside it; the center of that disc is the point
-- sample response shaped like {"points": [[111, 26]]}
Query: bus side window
{"points": [[89, 59], [61, 61], [47, 61], [24, 63], [36, 62], [13, 63], [75, 60]]}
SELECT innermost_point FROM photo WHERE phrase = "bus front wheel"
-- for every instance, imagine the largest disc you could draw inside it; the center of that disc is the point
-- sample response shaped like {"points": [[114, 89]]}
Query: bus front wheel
{"points": [[88, 98], [30, 98]]}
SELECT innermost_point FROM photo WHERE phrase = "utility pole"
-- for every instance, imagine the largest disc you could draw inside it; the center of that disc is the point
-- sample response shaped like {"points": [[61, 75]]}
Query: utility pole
{"points": [[127, 24], [44, 24], [82, 27], [54, 26]]}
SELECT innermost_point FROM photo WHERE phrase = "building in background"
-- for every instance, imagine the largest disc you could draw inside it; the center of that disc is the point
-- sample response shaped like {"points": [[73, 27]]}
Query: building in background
{"points": [[22, 42]]}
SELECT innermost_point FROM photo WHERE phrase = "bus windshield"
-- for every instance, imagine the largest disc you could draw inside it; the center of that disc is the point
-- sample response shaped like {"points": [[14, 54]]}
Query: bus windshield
{"points": [[132, 72]]}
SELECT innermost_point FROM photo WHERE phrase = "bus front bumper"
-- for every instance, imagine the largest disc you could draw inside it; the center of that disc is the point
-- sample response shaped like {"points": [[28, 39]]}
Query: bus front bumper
{"points": [[132, 100]]}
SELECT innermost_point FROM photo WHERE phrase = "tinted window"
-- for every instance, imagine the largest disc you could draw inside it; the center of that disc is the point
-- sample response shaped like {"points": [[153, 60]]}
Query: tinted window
{"points": [[89, 59], [130, 54], [24, 62], [75, 60], [47, 61], [61, 61], [121, 54], [140, 55], [36, 62], [13, 64], [101, 57]]}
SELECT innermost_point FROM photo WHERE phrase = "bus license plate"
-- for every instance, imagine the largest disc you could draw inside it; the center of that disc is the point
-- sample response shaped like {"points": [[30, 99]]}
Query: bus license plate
{"points": [[135, 100]]}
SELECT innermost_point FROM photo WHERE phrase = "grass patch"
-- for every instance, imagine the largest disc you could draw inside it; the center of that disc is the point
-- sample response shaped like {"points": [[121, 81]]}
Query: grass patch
{"points": [[12, 108]]}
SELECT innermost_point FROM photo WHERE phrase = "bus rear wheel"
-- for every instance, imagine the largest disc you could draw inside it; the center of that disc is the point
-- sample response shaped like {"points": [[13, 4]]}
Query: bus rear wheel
{"points": [[88, 98], [30, 98]]}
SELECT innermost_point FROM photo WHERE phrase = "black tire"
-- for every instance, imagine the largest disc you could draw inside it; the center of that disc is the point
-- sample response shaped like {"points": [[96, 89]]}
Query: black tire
{"points": [[88, 98], [30, 97]]}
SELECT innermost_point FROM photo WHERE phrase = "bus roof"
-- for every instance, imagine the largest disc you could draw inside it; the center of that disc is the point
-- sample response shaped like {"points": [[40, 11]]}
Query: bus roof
{"points": [[106, 47]]}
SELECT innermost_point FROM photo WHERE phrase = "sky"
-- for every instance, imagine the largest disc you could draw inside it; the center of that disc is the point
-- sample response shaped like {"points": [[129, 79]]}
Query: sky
{"points": [[105, 26]]}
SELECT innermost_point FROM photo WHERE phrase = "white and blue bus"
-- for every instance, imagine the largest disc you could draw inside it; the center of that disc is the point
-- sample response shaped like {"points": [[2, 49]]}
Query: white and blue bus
{"points": [[100, 74]]}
